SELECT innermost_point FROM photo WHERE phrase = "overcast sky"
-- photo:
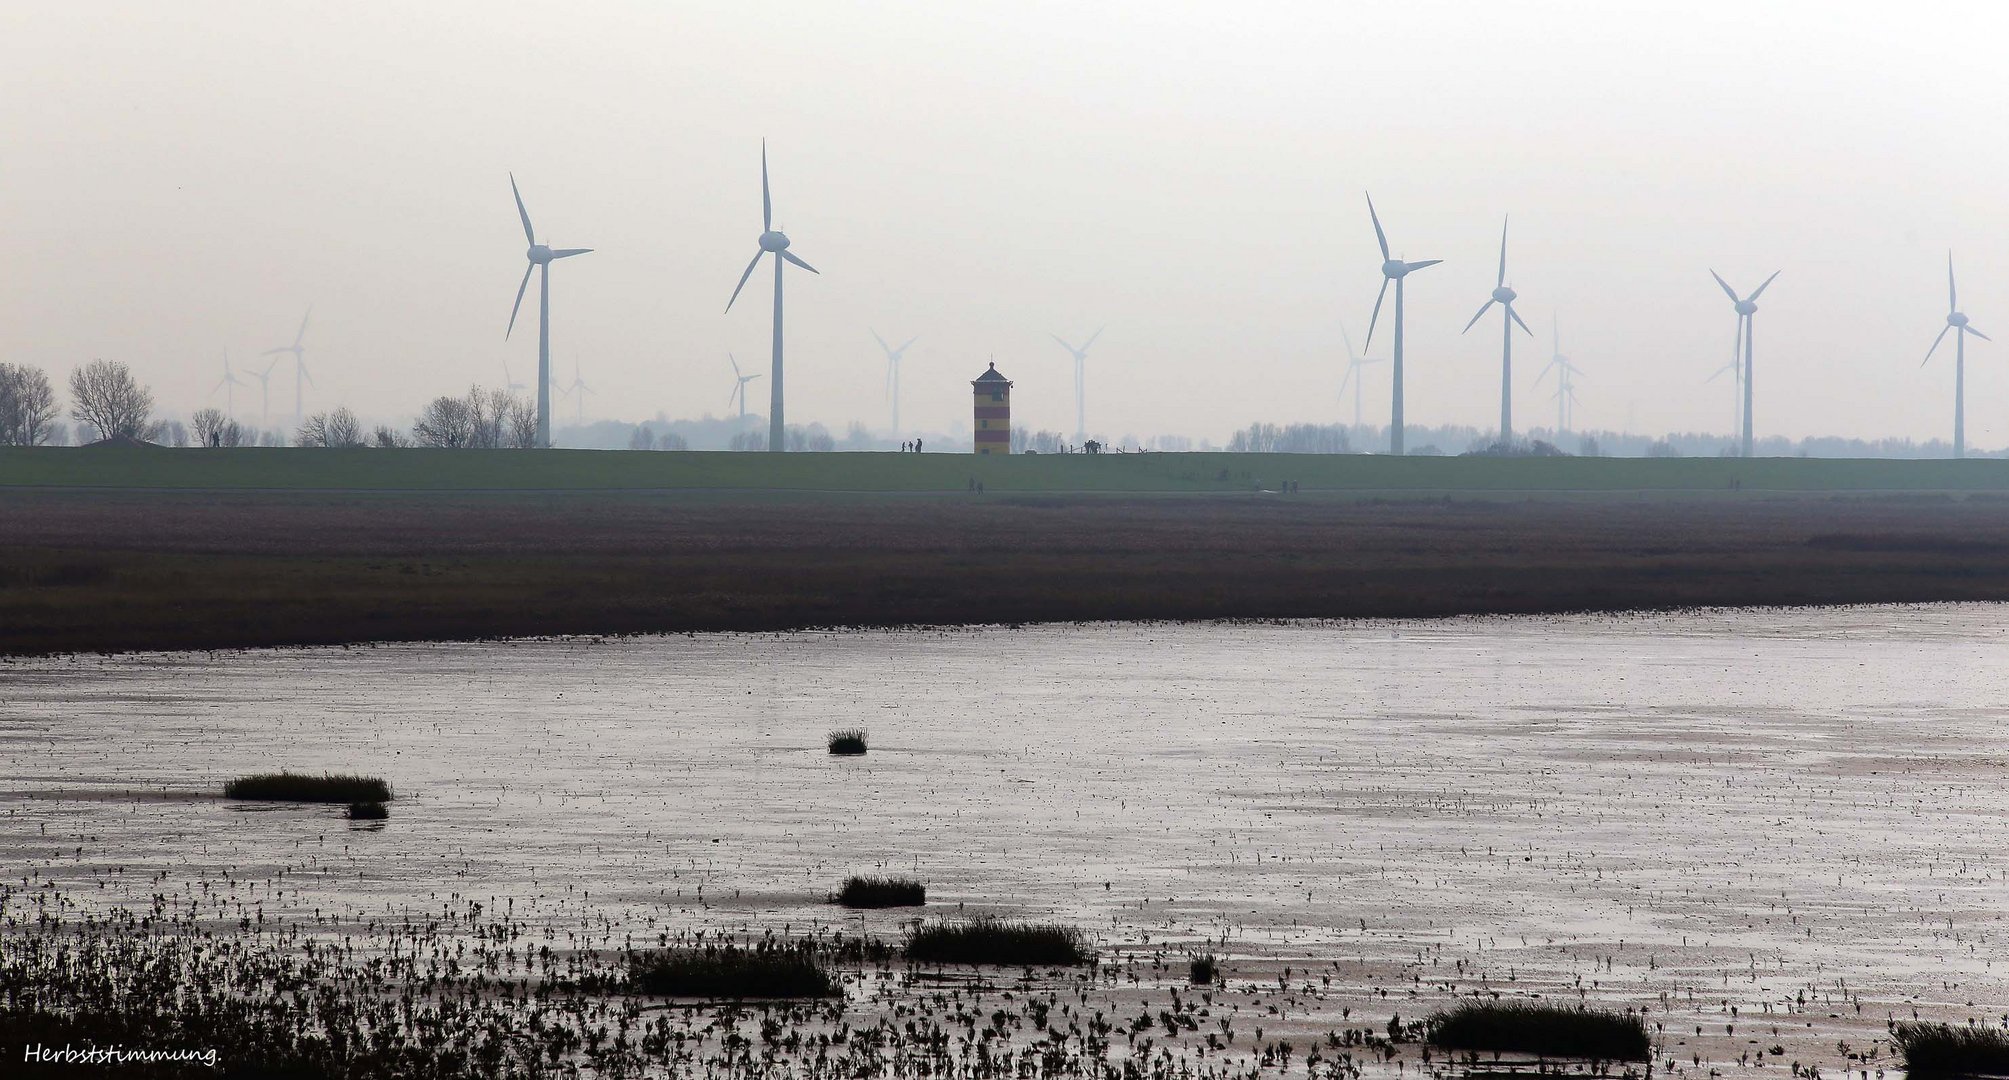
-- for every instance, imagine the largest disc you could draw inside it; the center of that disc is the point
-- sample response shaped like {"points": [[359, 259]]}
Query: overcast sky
{"points": [[183, 178]]}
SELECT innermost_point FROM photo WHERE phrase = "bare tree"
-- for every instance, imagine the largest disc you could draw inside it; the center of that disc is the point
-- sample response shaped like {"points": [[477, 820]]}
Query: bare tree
{"points": [[27, 406], [642, 438], [208, 425], [445, 422], [336, 429], [522, 424], [388, 437], [105, 396], [168, 433]]}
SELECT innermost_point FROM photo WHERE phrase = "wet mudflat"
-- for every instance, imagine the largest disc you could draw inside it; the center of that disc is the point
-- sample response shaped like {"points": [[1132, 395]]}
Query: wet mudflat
{"points": [[1780, 827]]}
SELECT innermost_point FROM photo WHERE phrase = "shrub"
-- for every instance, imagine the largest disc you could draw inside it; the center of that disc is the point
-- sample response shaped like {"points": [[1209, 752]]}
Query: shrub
{"points": [[368, 811], [997, 941], [300, 787], [731, 971], [1945, 1050], [1203, 971], [1545, 1030], [864, 892], [848, 741]]}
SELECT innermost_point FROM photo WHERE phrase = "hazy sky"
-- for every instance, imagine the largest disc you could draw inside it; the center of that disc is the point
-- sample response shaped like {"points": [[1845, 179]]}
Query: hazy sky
{"points": [[182, 178]]}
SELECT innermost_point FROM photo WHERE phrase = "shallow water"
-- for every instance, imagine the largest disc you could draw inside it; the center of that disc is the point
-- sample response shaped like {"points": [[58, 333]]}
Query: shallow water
{"points": [[1692, 811]]}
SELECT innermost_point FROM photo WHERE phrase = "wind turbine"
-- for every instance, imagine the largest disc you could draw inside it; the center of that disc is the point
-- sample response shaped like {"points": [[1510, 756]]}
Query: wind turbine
{"points": [[578, 390], [892, 374], [228, 384], [1566, 393], [509, 382], [775, 241], [540, 255], [299, 364], [1080, 382], [264, 391], [1746, 307], [739, 388], [1354, 362], [1392, 269], [1956, 324], [1503, 296]]}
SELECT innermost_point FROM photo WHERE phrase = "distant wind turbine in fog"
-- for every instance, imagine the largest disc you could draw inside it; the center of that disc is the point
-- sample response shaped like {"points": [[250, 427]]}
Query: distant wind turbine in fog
{"points": [[1354, 362], [893, 356], [1956, 324], [1746, 307], [1080, 382], [578, 390], [1395, 270], [1505, 297], [739, 388], [1735, 369], [1566, 372], [299, 364], [509, 382], [264, 391], [228, 384], [772, 240], [539, 255]]}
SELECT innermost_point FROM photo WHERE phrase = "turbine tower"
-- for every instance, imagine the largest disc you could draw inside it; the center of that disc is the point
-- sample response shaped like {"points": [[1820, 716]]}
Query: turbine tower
{"points": [[1746, 307], [299, 365], [775, 241], [1956, 324], [1566, 372], [228, 384], [264, 392], [739, 388], [1395, 270], [1503, 296], [539, 256], [892, 374], [1080, 382], [1354, 362]]}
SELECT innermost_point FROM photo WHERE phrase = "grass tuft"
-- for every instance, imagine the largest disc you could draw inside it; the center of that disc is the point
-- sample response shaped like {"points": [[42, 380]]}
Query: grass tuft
{"points": [[1931, 1049], [1203, 971], [300, 787], [880, 892], [1545, 1030], [997, 941], [849, 741], [368, 811], [732, 972]]}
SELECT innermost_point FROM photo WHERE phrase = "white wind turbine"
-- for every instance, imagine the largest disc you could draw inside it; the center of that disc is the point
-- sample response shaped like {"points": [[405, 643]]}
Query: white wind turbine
{"points": [[264, 391], [1956, 324], [1392, 269], [893, 356], [577, 391], [1746, 307], [1735, 369], [1566, 373], [1505, 297], [299, 364], [228, 384], [1080, 382], [540, 255], [772, 240], [1354, 362], [739, 388], [509, 382]]}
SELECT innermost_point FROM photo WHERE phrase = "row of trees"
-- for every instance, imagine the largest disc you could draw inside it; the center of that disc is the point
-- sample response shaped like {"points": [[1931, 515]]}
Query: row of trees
{"points": [[27, 406]]}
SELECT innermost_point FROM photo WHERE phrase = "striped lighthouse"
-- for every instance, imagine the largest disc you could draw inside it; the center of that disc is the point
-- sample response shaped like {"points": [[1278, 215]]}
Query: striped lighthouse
{"points": [[993, 417]]}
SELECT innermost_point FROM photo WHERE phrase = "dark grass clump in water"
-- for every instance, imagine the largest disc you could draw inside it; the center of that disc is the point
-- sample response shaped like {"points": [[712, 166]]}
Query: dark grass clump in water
{"points": [[848, 741], [300, 787], [731, 971], [997, 941], [368, 811], [1546, 1030], [1203, 971], [1945, 1050], [878, 892]]}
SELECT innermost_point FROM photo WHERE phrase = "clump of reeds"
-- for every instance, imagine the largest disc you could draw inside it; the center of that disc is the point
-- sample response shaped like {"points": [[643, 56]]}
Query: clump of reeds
{"points": [[997, 941], [1203, 971], [301, 787], [1932, 1049], [848, 741], [368, 811], [731, 971], [1545, 1030], [880, 892]]}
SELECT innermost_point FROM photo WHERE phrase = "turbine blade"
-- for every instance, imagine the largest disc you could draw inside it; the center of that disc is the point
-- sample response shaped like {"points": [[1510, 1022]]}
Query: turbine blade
{"points": [[529, 236], [909, 341], [737, 386], [518, 306], [766, 200], [1086, 345], [743, 277], [566, 253], [1482, 310], [1379, 237], [301, 334], [735, 364], [1424, 263], [791, 257], [1503, 254], [1346, 378], [1727, 290], [1952, 294], [1348, 338], [1977, 333], [1378, 298], [305, 374], [1517, 318], [1935, 345], [762, 375], [887, 349], [1063, 344], [1766, 285]]}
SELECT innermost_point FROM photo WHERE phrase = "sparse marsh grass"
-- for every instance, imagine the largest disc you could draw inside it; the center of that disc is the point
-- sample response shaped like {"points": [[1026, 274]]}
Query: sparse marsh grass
{"points": [[1203, 971], [368, 811], [1546, 1030], [302, 787], [1000, 942], [1932, 1049], [731, 972], [880, 892], [847, 742]]}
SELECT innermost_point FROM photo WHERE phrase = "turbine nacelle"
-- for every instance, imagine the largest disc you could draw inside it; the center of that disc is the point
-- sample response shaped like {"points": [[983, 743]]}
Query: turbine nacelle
{"points": [[1505, 294], [773, 240], [1956, 319], [539, 254], [1746, 307], [1394, 269]]}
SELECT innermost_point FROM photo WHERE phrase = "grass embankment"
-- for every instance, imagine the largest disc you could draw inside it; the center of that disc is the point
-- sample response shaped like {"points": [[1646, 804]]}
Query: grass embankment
{"points": [[1543, 1030], [998, 942], [304, 787]]}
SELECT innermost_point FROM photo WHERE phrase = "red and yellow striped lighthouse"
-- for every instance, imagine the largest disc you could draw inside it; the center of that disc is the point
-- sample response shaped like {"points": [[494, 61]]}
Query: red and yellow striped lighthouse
{"points": [[993, 417]]}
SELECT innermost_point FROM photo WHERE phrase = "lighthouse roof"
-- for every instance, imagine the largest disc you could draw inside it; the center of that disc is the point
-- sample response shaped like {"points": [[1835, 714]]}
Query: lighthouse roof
{"points": [[992, 376]]}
